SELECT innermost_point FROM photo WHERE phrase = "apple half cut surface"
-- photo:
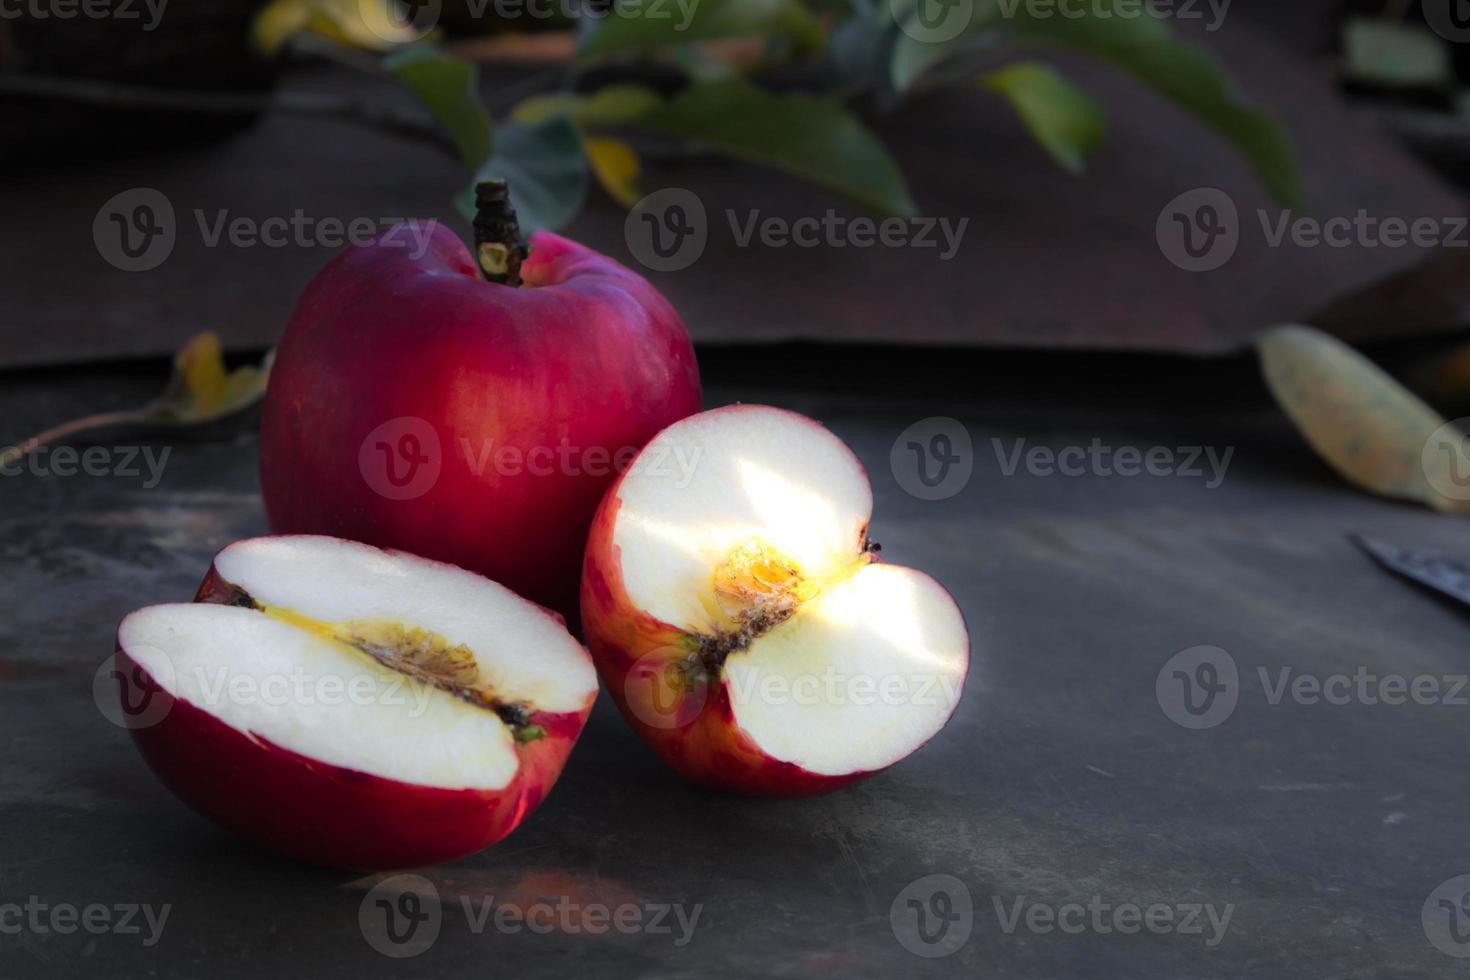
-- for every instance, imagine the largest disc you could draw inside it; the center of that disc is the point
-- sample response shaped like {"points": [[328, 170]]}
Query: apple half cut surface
{"points": [[737, 611], [354, 707]]}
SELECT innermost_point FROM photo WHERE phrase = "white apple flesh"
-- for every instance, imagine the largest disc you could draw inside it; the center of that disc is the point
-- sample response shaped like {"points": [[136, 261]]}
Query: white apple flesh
{"points": [[355, 707], [737, 612]]}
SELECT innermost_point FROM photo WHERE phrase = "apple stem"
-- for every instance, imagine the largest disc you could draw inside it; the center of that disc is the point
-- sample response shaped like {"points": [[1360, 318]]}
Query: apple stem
{"points": [[498, 246]]}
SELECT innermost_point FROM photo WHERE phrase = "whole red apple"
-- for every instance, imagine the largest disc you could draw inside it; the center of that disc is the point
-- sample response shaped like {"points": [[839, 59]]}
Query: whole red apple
{"points": [[414, 404], [354, 707], [738, 614]]}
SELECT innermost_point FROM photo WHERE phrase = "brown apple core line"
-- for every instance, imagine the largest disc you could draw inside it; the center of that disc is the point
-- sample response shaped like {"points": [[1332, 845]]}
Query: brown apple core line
{"points": [[757, 588], [421, 654]]}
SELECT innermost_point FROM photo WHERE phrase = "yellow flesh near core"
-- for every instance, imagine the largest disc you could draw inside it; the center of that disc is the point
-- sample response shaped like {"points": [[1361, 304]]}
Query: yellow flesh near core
{"points": [[418, 653], [757, 587]]}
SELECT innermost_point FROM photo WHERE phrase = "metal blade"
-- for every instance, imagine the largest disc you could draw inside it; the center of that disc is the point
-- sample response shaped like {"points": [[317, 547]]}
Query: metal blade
{"points": [[1442, 574]]}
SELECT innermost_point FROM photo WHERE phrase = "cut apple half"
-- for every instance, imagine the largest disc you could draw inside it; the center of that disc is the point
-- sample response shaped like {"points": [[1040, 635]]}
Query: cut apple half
{"points": [[352, 706], [736, 609]]}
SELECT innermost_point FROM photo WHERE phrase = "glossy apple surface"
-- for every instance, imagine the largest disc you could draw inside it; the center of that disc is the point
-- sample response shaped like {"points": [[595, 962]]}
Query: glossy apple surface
{"points": [[354, 707], [738, 615], [414, 405]]}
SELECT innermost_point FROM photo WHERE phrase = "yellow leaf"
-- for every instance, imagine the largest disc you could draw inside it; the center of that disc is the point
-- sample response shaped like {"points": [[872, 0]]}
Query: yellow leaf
{"points": [[200, 391], [1371, 429], [616, 166], [201, 388], [369, 24]]}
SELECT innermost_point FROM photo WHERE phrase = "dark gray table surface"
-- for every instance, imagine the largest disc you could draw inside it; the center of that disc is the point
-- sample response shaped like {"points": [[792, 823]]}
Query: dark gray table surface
{"points": [[1323, 829]]}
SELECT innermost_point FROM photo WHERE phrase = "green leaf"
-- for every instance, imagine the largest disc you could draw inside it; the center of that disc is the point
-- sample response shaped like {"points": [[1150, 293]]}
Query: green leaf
{"points": [[912, 57], [1375, 432], [915, 49], [857, 49], [1186, 74], [448, 87], [1395, 55], [1066, 121], [1139, 45], [545, 168], [613, 162], [806, 136], [640, 28], [611, 106]]}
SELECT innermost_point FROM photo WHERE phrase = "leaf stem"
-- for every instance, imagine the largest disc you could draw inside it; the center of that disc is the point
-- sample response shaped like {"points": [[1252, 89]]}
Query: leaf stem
{"points": [[66, 430]]}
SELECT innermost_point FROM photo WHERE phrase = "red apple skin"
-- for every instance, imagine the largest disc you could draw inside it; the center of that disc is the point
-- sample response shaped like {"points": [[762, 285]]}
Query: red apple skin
{"points": [[698, 734], [328, 815], [587, 355]]}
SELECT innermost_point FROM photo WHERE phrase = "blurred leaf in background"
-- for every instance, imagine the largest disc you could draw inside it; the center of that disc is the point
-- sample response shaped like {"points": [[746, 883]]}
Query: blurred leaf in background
{"points": [[728, 104], [1369, 428], [201, 391], [545, 167], [808, 136], [371, 24], [1066, 121], [644, 28], [1395, 55], [449, 88]]}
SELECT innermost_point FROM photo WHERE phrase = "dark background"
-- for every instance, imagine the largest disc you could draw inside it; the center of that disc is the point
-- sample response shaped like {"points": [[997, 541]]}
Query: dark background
{"points": [[1061, 779]]}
